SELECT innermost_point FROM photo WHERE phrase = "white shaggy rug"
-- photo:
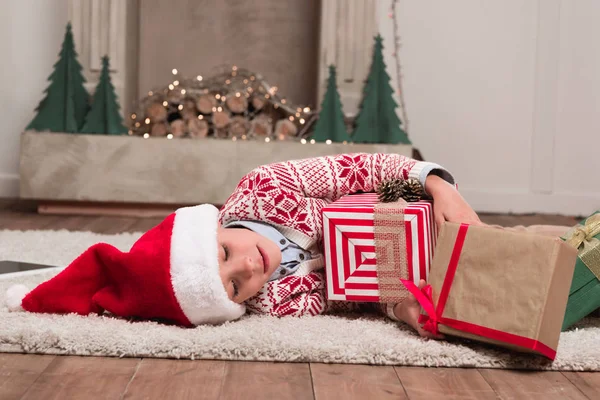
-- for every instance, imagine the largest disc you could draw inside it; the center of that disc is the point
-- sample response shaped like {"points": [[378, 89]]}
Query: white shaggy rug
{"points": [[328, 339]]}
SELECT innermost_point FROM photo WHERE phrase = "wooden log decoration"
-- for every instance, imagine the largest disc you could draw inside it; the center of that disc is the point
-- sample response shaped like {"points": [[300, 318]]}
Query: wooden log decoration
{"points": [[258, 102], [261, 127], [221, 119], [221, 133], [156, 112], [285, 129], [159, 129], [237, 102], [197, 128], [178, 128], [206, 103], [174, 96], [189, 105], [239, 126], [188, 115]]}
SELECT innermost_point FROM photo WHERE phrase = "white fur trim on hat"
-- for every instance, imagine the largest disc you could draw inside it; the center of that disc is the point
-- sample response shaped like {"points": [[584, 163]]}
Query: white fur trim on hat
{"points": [[14, 296], [195, 267]]}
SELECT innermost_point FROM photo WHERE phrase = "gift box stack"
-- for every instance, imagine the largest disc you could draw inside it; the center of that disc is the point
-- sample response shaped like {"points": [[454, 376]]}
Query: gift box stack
{"points": [[370, 245]]}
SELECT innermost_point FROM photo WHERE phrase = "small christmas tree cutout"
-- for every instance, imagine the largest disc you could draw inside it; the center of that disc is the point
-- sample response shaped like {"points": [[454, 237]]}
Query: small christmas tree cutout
{"points": [[377, 121], [66, 102], [104, 116], [330, 125]]}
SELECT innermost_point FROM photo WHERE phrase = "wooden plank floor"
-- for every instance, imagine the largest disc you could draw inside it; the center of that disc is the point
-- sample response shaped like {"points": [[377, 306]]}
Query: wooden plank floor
{"points": [[26, 376]]}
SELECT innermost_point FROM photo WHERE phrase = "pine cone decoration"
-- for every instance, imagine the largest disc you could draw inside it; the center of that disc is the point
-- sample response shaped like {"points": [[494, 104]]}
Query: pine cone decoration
{"points": [[412, 190], [390, 191], [395, 189]]}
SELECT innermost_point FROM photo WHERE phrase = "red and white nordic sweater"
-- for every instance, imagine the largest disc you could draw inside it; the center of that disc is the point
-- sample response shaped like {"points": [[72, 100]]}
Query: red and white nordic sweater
{"points": [[290, 195]]}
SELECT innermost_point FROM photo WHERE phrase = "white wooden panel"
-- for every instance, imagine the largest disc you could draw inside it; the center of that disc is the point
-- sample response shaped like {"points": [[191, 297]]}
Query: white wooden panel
{"points": [[544, 118], [469, 86], [577, 169], [116, 27], [103, 27], [79, 15], [98, 28], [385, 24], [347, 32]]}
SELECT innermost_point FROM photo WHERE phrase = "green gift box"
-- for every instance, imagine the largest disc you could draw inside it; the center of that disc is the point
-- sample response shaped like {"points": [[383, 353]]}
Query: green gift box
{"points": [[584, 295]]}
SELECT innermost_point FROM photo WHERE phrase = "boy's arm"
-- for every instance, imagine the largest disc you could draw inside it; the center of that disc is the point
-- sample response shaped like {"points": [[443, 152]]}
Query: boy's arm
{"points": [[293, 295], [331, 177], [299, 296], [292, 193]]}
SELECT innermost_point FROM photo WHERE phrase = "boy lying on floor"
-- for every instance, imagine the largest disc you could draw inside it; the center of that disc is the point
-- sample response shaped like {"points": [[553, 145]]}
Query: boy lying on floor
{"points": [[262, 252]]}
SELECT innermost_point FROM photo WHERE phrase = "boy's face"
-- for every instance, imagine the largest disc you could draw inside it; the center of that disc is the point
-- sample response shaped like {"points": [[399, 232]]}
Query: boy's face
{"points": [[246, 261]]}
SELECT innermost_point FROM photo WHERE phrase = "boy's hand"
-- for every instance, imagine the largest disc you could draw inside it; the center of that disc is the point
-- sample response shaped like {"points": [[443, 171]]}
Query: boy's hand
{"points": [[409, 310], [448, 204]]}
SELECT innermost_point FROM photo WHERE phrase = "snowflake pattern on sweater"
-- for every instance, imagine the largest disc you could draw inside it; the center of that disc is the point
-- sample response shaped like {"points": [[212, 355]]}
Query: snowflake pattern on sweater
{"points": [[290, 195]]}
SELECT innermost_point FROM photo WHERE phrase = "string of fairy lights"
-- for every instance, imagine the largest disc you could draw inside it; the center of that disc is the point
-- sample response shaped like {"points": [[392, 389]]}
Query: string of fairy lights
{"points": [[235, 96]]}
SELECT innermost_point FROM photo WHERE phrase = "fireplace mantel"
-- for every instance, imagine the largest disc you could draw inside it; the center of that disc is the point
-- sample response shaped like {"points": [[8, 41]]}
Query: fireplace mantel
{"points": [[130, 169]]}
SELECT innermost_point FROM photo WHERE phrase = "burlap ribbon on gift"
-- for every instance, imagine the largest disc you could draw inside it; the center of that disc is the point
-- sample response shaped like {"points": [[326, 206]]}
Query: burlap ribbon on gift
{"points": [[582, 238], [390, 250]]}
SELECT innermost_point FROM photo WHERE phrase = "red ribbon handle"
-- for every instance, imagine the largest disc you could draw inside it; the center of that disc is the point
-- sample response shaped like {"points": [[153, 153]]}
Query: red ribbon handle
{"points": [[425, 299]]}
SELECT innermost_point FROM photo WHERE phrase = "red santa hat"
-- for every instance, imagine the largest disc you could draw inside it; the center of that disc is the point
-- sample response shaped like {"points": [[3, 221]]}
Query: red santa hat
{"points": [[171, 273]]}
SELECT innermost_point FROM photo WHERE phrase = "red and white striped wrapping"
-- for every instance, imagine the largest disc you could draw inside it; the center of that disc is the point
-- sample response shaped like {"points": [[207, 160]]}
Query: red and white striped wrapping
{"points": [[351, 257]]}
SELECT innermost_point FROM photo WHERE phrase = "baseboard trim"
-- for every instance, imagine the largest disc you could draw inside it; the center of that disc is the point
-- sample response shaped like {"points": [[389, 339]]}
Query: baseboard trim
{"points": [[9, 185], [524, 202]]}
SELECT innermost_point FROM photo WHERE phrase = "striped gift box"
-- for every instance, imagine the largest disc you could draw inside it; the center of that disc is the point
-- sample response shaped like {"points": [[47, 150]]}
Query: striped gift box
{"points": [[359, 257]]}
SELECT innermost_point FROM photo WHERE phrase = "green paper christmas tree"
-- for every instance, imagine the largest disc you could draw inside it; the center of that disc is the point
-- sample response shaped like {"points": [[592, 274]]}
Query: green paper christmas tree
{"points": [[104, 116], [66, 102], [330, 124], [377, 121]]}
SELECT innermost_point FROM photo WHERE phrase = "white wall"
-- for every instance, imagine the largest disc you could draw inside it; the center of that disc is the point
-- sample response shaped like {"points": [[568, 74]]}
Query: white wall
{"points": [[31, 32], [506, 95]]}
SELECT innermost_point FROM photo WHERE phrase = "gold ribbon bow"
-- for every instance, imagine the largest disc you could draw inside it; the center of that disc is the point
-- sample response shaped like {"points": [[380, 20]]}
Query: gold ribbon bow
{"points": [[582, 238]]}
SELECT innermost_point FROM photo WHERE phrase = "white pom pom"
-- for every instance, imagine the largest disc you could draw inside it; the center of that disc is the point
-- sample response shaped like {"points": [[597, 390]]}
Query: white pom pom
{"points": [[14, 296]]}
